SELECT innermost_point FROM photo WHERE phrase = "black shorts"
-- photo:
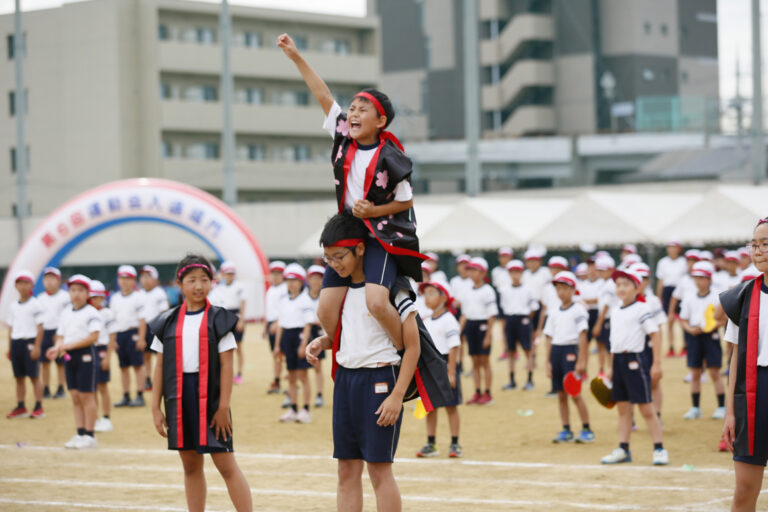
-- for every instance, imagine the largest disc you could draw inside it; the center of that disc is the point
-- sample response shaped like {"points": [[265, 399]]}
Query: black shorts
{"points": [[289, 346], [190, 418], [102, 376], [148, 338], [127, 353], [666, 298], [316, 331], [605, 334], [647, 355], [80, 370], [563, 360], [379, 267], [21, 362], [591, 321], [631, 380], [705, 347], [238, 334], [535, 319], [760, 455], [457, 397], [48, 340], [474, 332], [357, 394], [270, 336], [517, 329]]}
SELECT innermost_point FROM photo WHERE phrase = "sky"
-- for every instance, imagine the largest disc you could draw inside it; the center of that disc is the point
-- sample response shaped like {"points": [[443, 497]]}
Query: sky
{"points": [[734, 34]]}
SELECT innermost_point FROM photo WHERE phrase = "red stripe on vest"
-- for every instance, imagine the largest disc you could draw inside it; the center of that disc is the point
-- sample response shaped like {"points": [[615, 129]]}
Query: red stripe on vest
{"points": [[753, 333], [423, 392], [203, 376], [180, 374]]}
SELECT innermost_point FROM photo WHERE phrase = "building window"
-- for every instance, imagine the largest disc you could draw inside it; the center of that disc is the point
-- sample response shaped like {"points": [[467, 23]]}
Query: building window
{"points": [[684, 77], [250, 95], [301, 42], [301, 153], [162, 32], [647, 28], [205, 35], [167, 149], [664, 29], [211, 150], [252, 40], [343, 100], [203, 151], [341, 46], [165, 91], [209, 93], [427, 52], [257, 152]]}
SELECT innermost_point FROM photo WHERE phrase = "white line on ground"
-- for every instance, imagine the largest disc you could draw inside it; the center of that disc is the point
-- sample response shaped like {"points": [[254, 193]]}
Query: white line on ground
{"points": [[98, 505]]}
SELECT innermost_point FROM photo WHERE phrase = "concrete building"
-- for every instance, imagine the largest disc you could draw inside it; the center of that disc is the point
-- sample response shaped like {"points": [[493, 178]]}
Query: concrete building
{"points": [[130, 88], [553, 67]]}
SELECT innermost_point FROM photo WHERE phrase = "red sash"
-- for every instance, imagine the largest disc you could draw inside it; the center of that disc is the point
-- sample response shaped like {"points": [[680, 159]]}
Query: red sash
{"points": [[753, 334]]}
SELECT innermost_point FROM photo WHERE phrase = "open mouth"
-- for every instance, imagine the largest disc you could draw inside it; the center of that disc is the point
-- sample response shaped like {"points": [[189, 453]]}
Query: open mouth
{"points": [[354, 124]]}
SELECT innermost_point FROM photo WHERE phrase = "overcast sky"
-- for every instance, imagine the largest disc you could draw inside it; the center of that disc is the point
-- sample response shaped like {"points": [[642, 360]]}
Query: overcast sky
{"points": [[734, 36]]}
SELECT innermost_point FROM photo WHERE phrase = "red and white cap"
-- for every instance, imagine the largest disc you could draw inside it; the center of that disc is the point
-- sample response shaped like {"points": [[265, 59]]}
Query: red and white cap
{"points": [[629, 273], [506, 251], [228, 267], [315, 270], [558, 262], [126, 271], [151, 270], [750, 273], [432, 256], [566, 277], [463, 258], [693, 254], [702, 269], [744, 253], [602, 254], [516, 265], [630, 248], [533, 254], [631, 258], [731, 256], [426, 267], [81, 280], [277, 266], [24, 275], [53, 271], [641, 268], [604, 263], [295, 271], [98, 289], [581, 269], [674, 242], [478, 263], [441, 285], [706, 256]]}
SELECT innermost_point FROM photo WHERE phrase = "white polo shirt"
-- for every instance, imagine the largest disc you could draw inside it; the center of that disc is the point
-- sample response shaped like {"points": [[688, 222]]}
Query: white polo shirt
{"points": [[537, 280], [629, 326], [230, 296], [607, 297], [296, 312], [685, 286], [565, 326], [517, 300], [53, 305], [590, 290], [723, 281], [153, 302], [444, 331], [479, 303], [694, 307], [459, 287], [108, 326], [273, 301], [127, 309], [500, 278], [549, 298], [657, 308], [24, 319], [671, 271], [78, 324]]}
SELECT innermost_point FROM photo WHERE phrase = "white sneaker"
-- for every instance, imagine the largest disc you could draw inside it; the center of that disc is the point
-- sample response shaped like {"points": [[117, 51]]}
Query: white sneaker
{"points": [[688, 378], [289, 416], [319, 402], [618, 455], [72, 443], [660, 457], [86, 443], [719, 413], [286, 402], [304, 416], [103, 425], [693, 413]]}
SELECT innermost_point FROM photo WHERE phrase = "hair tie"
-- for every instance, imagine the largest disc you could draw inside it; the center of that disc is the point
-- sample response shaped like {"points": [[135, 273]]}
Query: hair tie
{"points": [[194, 265]]}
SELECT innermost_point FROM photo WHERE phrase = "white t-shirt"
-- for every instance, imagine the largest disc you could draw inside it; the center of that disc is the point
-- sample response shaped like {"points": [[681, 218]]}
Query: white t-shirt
{"points": [[52, 306], [273, 300], [444, 331], [564, 326], [536, 281], [76, 325], [549, 298], [296, 312], [500, 278], [517, 300], [685, 286], [479, 303], [127, 309], [671, 271], [459, 287], [438, 275], [590, 290], [107, 326], [153, 302], [421, 307], [355, 189], [657, 309], [723, 281], [694, 307], [24, 319], [191, 342], [732, 331], [607, 297], [229, 296], [364, 342], [629, 326]]}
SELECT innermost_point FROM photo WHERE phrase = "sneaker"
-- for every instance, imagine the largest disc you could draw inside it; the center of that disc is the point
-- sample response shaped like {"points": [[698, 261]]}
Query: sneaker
{"points": [[60, 393], [72, 442], [148, 384], [273, 388], [671, 353], [564, 436], [723, 446], [485, 399], [634, 426], [601, 374], [19, 412], [428, 450], [86, 443], [125, 402], [37, 414], [528, 386], [551, 394], [660, 457], [503, 356], [475, 399], [618, 455], [137, 402], [103, 425], [46, 392], [319, 402], [289, 416], [684, 353], [468, 374], [688, 377], [693, 413], [719, 413], [238, 379], [509, 386], [286, 402], [304, 416], [454, 451], [726, 373], [585, 437]]}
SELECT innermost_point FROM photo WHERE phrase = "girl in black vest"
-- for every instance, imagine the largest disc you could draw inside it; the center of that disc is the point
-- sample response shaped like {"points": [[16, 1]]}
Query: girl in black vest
{"points": [[193, 374], [746, 421], [372, 177]]}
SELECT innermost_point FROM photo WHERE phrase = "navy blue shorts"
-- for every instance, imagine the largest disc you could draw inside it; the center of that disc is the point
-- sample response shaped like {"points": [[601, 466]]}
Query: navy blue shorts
{"points": [[705, 347], [289, 346], [666, 298], [517, 329], [563, 360], [271, 337], [647, 355], [316, 331], [80, 370], [631, 380], [760, 455], [127, 353], [474, 332], [379, 267], [605, 334], [457, 397], [48, 340], [535, 319], [591, 321], [357, 394], [148, 339], [190, 419], [22, 363], [238, 334], [102, 376]]}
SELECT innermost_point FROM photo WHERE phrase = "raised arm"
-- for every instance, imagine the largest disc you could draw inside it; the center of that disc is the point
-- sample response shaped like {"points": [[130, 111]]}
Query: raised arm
{"points": [[316, 84]]}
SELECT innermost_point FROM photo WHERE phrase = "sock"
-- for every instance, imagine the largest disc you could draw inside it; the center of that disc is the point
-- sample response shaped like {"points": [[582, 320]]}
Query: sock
{"points": [[306, 407], [431, 439], [721, 400], [88, 432], [80, 431], [106, 416], [585, 426], [239, 374], [46, 390], [38, 405], [20, 405], [658, 414], [60, 389], [512, 377], [139, 394], [624, 446], [277, 381], [293, 406], [126, 396], [319, 395], [695, 397], [454, 439], [567, 428], [530, 376], [477, 391], [658, 446], [487, 391]]}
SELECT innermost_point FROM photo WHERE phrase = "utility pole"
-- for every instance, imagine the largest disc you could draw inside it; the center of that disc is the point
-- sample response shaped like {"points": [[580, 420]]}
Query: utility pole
{"points": [[758, 139], [738, 105], [471, 98], [229, 192], [19, 106]]}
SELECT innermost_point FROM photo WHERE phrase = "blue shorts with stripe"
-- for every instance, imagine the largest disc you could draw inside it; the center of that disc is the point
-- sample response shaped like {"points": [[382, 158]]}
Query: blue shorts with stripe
{"points": [[563, 360], [102, 376], [127, 353], [290, 341], [704, 347], [48, 339], [631, 379], [80, 369], [379, 267], [21, 360], [474, 332], [517, 329]]}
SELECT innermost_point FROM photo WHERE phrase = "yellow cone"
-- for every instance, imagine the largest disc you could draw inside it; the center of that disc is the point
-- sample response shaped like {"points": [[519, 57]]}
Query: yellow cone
{"points": [[709, 319], [420, 412]]}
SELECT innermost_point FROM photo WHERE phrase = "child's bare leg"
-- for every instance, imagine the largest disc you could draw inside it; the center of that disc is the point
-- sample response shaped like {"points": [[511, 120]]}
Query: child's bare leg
{"points": [[138, 372], [125, 379], [654, 426], [625, 421], [695, 380], [60, 374], [562, 403], [602, 355], [45, 371], [21, 389], [432, 423], [714, 374], [377, 300], [147, 365], [194, 480], [349, 494], [304, 378], [329, 308], [237, 485], [488, 372], [657, 395], [240, 358], [277, 365], [319, 377], [581, 405], [384, 485], [453, 420], [37, 388], [476, 371], [105, 405], [749, 480], [77, 408], [88, 401], [292, 386]]}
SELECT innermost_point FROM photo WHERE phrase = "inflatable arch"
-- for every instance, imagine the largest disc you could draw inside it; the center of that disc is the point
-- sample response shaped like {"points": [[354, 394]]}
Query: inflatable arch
{"points": [[143, 200]]}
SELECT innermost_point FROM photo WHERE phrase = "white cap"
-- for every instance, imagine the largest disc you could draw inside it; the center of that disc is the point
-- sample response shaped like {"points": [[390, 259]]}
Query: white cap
{"points": [[602, 254], [79, 279], [558, 261], [506, 251], [228, 267], [152, 271], [693, 254], [478, 263], [702, 269], [440, 284], [604, 263], [126, 271], [631, 259], [52, 270], [463, 258], [98, 289], [533, 254], [315, 269], [277, 266], [631, 248], [630, 273], [295, 271], [515, 265], [24, 275], [731, 256], [432, 256], [641, 268], [674, 242], [706, 255], [581, 269], [426, 267], [744, 253], [566, 277]]}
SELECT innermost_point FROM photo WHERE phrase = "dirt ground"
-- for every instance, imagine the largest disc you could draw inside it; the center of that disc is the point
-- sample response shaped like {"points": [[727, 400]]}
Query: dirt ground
{"points": [[509, 460]]}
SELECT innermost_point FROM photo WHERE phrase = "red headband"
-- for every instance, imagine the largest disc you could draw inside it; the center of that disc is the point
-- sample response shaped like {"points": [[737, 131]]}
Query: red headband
{"points": [[370, 97], [347, 242], [194, 265]]}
